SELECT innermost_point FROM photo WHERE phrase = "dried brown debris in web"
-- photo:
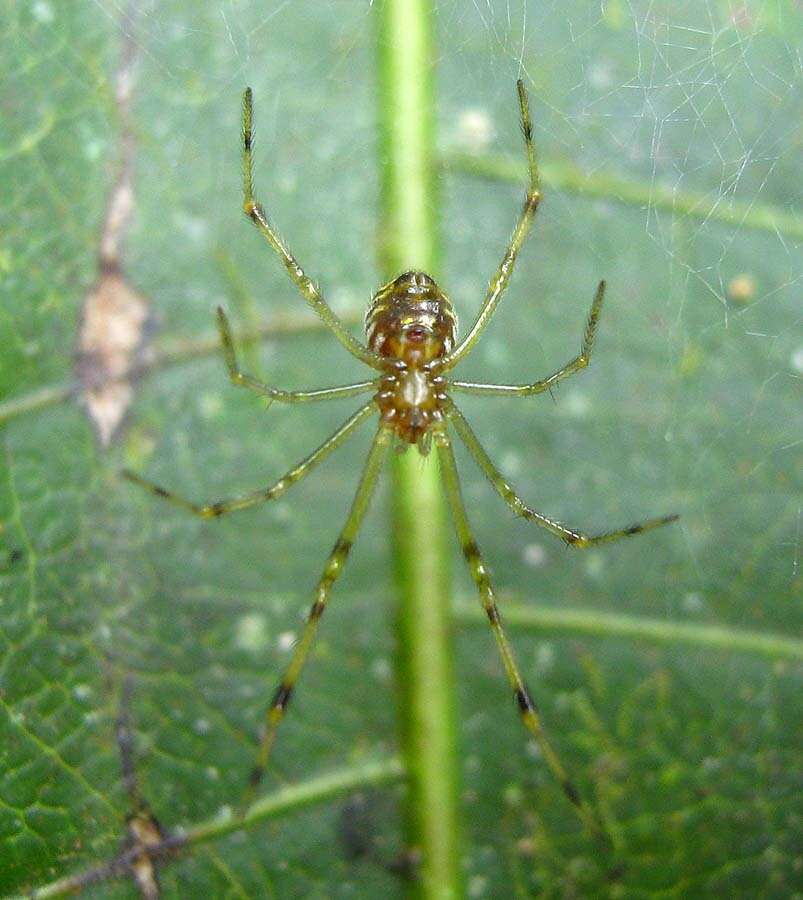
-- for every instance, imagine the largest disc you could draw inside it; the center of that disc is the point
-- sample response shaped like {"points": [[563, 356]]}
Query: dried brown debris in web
{"points": [[113, 336]]}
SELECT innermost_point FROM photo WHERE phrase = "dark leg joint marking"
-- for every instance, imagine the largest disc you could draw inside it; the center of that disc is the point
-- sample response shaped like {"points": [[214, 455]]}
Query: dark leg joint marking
{"points": [[341, 548], [216, 509], [247, 140], [160, 492], [572, 793], [256, 776], [471, 550], [493, 614], [633, 529], [525, 701], [282, 696], [253, 213], [317, 610]]}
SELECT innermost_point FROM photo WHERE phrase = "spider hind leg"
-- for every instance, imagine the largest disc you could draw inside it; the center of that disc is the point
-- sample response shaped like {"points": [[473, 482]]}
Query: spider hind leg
{"points": [[529, 712], [332, 570]]}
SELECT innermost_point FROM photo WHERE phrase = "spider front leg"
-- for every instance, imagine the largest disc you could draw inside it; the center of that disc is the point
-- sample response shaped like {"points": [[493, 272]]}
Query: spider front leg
{"points": [[479, 573], [570, 535], [247, 381], [575, 365], [223, 507], [332, 571], [502, 275], [310, 292]]}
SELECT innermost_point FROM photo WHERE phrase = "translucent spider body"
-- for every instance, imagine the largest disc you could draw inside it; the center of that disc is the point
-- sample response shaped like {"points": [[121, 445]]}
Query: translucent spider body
{"points": [[411, 323], [411, 342]]}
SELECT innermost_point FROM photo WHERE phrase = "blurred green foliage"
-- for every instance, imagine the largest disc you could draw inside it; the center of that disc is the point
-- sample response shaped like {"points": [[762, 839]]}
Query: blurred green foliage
{"points": [[692, 404]]}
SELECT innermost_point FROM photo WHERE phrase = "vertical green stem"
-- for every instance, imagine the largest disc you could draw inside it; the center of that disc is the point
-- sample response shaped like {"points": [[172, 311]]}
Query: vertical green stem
{"points": [[409, 241]]}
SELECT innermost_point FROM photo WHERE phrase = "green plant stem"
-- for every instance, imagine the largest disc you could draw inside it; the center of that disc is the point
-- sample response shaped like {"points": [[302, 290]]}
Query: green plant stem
{"points": [[287, 799], [654, 195], [425, 677], [594, 623], [173, 352], [50, 395]]}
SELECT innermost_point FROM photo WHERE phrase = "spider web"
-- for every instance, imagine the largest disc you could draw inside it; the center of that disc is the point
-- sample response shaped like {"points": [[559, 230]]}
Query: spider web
{"points": [[669, 139]]}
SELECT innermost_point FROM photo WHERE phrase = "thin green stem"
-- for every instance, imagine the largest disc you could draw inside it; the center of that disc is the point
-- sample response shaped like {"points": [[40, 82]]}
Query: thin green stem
{"points": [[409, 241], [636, 192], [594, 623], [41, 398], [286, 800], [170, 352]]}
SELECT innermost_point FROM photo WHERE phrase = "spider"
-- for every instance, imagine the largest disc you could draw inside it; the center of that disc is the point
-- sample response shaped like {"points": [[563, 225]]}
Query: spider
{"points": [[411, 330]]}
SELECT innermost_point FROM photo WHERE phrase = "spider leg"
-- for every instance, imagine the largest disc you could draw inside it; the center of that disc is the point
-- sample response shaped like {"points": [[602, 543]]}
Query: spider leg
{"points": [[254, 210], [570, 535], [575, 365], [527, 708], [247, 381], [331, 572], [502, 275], [223, 507]]}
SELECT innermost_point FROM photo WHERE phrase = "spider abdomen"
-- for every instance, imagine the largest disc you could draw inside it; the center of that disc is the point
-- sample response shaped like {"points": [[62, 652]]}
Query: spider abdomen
{"points": [[412, 400], [411, 323]]}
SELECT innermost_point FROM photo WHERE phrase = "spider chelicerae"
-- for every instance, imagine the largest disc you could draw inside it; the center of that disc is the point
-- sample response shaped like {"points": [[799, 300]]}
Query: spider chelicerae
{"points": [[411, 343]]}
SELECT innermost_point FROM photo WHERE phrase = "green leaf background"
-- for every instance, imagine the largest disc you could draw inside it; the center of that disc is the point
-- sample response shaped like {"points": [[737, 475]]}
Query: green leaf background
{"points": [[692, 750]]}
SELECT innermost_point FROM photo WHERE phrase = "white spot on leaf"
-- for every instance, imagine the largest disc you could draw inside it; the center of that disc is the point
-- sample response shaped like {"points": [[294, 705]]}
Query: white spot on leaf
{"points": [[43, 13], [286, 640], [475, 130], [251, 633], [534, 555]]}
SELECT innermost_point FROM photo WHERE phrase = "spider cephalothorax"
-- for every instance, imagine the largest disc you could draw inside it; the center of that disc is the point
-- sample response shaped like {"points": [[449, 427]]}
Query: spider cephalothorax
{"points": [[411, 319], [411, 323]]}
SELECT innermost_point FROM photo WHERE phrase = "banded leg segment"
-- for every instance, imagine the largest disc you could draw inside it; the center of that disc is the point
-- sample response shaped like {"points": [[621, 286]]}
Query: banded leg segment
{"points": [[332, 571], [223, 507], [254, 210], [570, 535], [502, 275], [527, 708], [575, 365], [247, 381]]}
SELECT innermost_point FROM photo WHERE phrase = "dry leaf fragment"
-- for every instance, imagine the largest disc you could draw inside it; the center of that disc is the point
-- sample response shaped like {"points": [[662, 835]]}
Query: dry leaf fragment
{"points": [[112, 348]]}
